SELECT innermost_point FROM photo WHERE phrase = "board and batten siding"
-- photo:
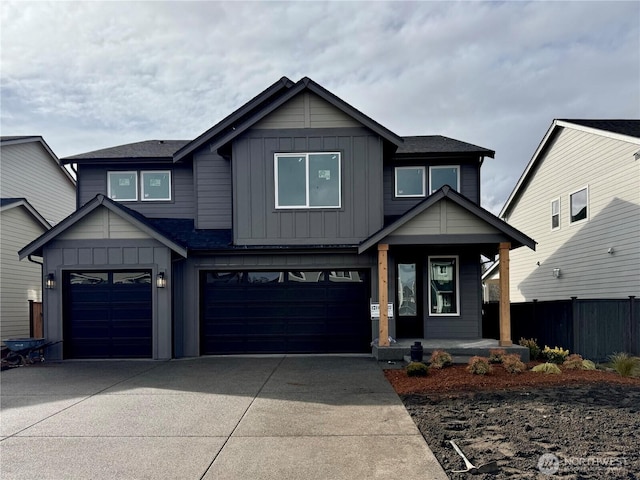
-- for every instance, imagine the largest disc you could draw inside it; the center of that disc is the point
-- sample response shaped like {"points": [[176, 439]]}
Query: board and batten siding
{"points": [[92, 180], [393, 206], [29, 171], [213, 190], [574, 160], [20, 281], [256, 220]]}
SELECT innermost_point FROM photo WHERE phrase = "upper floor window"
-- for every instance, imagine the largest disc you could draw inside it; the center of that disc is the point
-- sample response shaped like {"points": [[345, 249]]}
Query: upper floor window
{"points": [[555, 214], [445, 175], [307, 180], [156, 185], [579, 204], [123, 186], [410, 182]]}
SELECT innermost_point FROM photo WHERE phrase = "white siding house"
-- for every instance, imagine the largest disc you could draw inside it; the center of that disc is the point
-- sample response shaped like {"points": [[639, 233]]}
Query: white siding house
{"points": [[35, 193], [579, 198]]}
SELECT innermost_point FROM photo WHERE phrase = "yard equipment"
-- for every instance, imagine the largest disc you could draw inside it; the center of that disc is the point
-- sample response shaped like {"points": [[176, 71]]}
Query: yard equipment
{"points": [[490, 467], [25, 351]]}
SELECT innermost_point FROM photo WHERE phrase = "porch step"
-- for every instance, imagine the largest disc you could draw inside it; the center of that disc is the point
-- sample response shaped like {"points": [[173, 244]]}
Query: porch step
{"points": [[460, 350]]}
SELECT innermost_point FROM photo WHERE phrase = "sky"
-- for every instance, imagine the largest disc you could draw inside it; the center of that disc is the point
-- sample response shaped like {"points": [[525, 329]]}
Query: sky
{"points": [[91, 75]]}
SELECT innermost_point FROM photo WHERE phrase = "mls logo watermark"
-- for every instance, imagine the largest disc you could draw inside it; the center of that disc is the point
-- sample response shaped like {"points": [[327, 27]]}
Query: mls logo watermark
{"points": [[549, 464]]}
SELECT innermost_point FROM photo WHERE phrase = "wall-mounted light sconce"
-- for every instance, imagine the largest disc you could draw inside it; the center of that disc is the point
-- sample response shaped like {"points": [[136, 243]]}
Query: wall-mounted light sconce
{"points": [[556, 272], [161, 281], [50, 281], [610, 251]]}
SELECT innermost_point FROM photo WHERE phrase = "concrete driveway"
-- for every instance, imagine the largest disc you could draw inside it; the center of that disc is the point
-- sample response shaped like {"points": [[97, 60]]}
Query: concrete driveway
{"points": [[280, 417]]}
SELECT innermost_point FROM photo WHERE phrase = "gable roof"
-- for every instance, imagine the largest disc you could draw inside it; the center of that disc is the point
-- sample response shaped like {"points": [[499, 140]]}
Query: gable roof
{"points": [[439, 144], [519, 238], [17, 140], [9, 203], [135, 218], [267, 102], [148, 150], [625, 130]]}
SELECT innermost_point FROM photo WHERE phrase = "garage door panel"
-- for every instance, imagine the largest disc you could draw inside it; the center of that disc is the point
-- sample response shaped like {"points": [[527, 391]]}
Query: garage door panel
{"points": [[291, 316]]}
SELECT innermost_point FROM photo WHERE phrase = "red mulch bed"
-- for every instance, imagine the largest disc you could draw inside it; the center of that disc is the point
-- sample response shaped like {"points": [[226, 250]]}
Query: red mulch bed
{"points": [[456, 379]]}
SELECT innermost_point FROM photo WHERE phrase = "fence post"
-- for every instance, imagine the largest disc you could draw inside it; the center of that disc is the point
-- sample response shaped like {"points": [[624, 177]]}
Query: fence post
{"points": [[633, 333], [575, 328]]}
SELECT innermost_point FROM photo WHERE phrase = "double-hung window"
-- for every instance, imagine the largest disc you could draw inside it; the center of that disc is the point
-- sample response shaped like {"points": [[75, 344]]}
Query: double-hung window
{"points": [[555, 214], [579, 205], [307, 180], [444, 175], [443, 286], [410, 182]]}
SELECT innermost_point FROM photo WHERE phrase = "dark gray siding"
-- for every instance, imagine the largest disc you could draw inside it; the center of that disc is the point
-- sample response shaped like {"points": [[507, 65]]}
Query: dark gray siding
{"points": [[213, 189], [257, 222], [469, 184], [92, 180]]}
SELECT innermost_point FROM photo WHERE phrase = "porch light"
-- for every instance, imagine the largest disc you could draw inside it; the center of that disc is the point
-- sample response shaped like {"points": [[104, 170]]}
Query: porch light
{"points": [[50, 281], [161, 281]]}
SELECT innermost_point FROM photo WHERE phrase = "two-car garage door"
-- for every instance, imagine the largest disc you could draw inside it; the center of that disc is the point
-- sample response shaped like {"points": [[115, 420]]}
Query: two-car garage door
{"points": [[285, 312]]}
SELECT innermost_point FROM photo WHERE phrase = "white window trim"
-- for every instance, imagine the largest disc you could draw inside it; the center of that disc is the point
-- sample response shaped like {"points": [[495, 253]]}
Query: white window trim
{"points": [[142, 173], [306, 172], [457, 167], [120, 172], [457, 274], [576, 222], [559, 213], [424, 182]]}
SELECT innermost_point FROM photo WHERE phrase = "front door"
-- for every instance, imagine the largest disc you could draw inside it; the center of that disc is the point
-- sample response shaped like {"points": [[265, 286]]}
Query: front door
{"points": [[409, 322]]}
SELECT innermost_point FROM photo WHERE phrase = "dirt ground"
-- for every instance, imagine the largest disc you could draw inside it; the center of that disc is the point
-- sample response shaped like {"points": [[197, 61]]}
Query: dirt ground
{"points": [[576, 425]]}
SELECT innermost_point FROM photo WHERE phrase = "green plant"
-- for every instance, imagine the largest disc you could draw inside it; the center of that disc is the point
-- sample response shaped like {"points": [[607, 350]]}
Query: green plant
{"points": [[555, 355], [625, 364], [496, 355], [573, 362], [417, 369], [479, 366], [588, 365], [546, 368], [532, 345], [513, 364], [440, 358]]}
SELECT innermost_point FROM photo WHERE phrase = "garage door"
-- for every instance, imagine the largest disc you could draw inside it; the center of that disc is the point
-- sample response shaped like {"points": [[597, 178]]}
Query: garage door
{"points": [[108, 315], [285, 312]]}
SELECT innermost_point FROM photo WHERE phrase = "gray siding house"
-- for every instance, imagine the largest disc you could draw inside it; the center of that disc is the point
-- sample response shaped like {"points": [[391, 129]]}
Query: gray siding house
{"points": [[272, 232]]}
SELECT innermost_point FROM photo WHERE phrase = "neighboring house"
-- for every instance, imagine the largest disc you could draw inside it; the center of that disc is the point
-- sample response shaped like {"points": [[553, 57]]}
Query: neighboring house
{"points": [[491, 283], [271, 232], [579, 197], [35, 193]]}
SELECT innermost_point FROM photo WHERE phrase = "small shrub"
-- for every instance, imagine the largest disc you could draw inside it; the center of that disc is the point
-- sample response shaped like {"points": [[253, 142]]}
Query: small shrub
{"points": [[532, 345], [496, 355], [513, 364], [625, 364], [588, 365], [546, 368], [555, 355], [417, 369], [440, 359], [479, 366], [573, 362]]}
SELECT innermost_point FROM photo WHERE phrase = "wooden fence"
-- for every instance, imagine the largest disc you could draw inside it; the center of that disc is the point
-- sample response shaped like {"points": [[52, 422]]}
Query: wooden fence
{"points": [[593, 328], [36, 323]]}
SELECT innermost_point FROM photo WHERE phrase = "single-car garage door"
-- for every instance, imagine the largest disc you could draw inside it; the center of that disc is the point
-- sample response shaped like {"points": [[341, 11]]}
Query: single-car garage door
{"points": [[285, 312], [108, 314]]}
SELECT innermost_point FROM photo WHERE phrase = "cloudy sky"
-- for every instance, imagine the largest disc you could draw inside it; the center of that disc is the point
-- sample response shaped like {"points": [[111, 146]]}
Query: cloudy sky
{"points": [[90, 75]]}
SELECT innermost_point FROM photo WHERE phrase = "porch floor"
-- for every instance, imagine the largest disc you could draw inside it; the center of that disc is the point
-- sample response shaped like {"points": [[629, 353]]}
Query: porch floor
{"points": [[460, 349]]}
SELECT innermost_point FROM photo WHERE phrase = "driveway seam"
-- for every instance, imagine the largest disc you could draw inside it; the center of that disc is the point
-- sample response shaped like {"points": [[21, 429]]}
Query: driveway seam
{"points": [[243, 415]]}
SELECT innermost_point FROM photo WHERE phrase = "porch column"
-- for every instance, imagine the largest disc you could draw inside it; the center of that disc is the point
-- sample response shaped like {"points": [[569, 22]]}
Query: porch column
{"points": [[383, 295], [505, 302]]}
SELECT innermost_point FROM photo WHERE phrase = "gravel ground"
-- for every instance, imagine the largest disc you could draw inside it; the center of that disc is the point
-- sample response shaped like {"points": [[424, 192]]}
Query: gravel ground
{"points": [[589, 431]]}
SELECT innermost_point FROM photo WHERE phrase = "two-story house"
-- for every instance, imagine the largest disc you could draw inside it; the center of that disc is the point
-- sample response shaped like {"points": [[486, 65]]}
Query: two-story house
{"points": [[579, 196], [271, 232], [36, 191]]}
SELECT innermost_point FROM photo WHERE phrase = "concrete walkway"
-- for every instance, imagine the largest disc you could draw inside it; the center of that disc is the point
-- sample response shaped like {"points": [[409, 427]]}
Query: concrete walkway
{"points": [[293, 417]]}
